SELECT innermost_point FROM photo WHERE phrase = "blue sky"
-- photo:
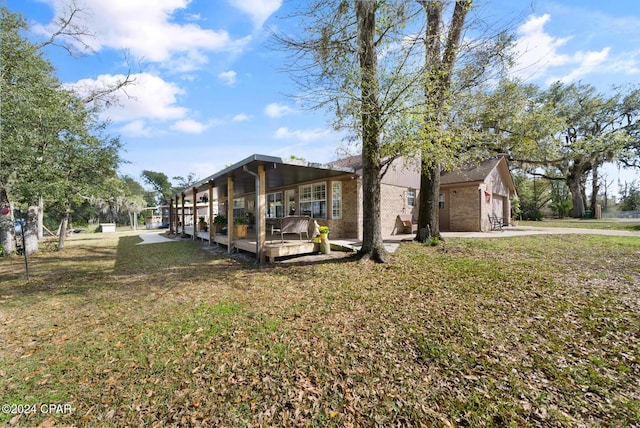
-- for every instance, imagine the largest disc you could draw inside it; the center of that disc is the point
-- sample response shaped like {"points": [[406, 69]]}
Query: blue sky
{"points": [[209, 92]]}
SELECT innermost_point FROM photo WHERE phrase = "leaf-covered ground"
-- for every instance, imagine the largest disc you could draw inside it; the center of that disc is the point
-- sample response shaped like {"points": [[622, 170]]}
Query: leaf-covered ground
{"points": [[530, 331]]}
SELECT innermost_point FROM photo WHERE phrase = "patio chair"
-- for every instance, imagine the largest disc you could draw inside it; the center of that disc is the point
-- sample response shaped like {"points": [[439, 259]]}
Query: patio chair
{"points": [[291, 224], [496, 222]]}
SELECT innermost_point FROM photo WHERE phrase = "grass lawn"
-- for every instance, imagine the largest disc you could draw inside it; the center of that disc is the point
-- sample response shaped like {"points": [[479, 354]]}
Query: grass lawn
{"points": [[603, 223], [526, 331]]}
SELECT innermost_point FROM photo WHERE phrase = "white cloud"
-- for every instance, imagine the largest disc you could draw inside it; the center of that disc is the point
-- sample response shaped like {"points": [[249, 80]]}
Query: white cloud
{"points": [[536, 50], [628, 63], [147, 29], [259, 10], [228, 77], [538, 53], [301, 134], [137, 128], [588, 62], [276, 110], [189, 126], [148, 97], [241, 117]]}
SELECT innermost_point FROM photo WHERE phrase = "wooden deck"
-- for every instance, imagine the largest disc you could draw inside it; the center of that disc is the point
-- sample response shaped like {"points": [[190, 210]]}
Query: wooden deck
{"points": [[273, 248]]}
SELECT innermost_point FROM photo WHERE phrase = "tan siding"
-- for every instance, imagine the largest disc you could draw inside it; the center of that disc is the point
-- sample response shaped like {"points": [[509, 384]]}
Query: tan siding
{"points": [[403, 173]]}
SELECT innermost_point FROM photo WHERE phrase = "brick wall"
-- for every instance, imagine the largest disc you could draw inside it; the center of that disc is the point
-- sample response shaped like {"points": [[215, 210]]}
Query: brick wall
{"points": [[394, 202], [464, 210], [347, 227]]}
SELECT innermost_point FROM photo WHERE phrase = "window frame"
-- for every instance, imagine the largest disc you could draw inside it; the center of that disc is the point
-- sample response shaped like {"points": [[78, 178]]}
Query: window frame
{"points": [[311, 195], [336, 202]]}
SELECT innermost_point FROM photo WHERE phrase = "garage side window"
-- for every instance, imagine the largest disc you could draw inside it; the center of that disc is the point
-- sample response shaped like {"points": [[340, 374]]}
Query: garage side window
{"points": [[411, 197]]}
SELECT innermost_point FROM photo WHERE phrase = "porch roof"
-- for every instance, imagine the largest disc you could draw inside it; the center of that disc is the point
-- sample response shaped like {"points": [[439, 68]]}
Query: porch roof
{"points": [[279, 172]]}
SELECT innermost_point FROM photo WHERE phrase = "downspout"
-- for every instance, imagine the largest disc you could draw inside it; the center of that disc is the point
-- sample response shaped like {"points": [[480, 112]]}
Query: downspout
{"points": [[257, 204]]}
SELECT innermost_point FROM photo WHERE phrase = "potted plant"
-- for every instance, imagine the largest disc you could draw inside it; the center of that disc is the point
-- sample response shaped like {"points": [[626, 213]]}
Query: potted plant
{"points": [[219, 222], [202, 225], [325, 246], [324, 232], [240, 227]]}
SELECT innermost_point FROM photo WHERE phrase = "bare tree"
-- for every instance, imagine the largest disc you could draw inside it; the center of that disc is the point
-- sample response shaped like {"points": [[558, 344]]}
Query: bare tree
{"points": [[438, 71], [351, 61]]}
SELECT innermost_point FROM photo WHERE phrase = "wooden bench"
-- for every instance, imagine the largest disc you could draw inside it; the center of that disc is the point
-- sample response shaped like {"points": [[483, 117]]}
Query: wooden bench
{"points": [[408, 222], [496, 222], [291, 224]]}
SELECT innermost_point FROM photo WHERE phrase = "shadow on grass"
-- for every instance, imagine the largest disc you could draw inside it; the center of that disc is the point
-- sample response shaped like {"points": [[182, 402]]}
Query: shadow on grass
{"points": [[135, 271], [130, 269]]}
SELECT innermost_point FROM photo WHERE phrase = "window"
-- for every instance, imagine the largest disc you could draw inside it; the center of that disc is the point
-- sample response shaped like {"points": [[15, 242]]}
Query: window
{"points": [[313, 200], [274, 205], [290, 198], [336, 199], [411, 197], [441, 201], [238, 207]]}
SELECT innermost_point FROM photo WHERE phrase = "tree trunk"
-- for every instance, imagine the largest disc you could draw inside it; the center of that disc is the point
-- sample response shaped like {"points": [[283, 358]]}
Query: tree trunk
{"points": [[40, 218], [595, 188], [63, 230], [7, 231], [576, 196], [31, 230], [429, 222], [372, 244]]}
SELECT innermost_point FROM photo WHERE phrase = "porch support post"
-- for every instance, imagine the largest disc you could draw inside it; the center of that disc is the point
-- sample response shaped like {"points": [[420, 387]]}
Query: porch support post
{"points": [[182, 203], [172, 219], [261, 211], [210, 212], [171, 216], [229, 213], [175, 217], [195, 214]]}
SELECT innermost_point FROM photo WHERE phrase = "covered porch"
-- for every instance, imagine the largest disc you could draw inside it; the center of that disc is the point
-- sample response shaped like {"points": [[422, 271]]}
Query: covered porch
{"points": [[274, 247], [250, 181]]}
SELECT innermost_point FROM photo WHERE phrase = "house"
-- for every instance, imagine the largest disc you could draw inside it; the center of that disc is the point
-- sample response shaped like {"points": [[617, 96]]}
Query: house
{"points": [[468, 194], [473, 192], [264, 188]]}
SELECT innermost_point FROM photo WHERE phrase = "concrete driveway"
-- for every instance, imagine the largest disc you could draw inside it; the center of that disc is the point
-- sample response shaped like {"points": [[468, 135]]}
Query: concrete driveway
{"points": [[392, 243], [533, 230]]}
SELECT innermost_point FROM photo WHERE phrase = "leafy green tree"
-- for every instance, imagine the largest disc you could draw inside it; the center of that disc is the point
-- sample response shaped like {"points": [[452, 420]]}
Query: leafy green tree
{"points": [[348, 61], [560, 198], [629, 197], [160, 184], [534, 194], [184, 182], [52, 145], [563, 133], [394, 104], [439, 64], [32, 107]]}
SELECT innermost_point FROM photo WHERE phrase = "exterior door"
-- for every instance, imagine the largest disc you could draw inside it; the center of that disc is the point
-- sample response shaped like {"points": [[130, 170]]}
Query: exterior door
{"points": [[443, 206]]}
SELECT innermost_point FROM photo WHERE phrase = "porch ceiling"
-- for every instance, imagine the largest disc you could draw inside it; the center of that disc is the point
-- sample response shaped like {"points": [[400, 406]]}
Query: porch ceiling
{"points": [[278, 173]]}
